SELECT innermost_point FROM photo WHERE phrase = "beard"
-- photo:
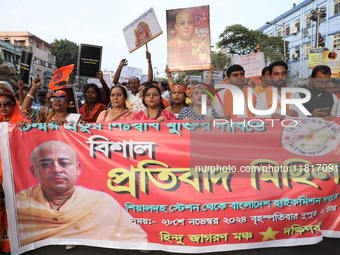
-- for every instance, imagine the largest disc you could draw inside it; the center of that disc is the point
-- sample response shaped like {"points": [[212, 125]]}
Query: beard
{"points": [[279, 83]]}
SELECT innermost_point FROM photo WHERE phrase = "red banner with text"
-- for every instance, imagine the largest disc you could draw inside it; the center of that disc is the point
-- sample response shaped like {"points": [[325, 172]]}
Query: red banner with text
{"points": [[179, 187]]}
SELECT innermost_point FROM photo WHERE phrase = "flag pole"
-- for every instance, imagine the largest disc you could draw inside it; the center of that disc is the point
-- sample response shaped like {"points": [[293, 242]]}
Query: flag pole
{"points": [[46, 76]]}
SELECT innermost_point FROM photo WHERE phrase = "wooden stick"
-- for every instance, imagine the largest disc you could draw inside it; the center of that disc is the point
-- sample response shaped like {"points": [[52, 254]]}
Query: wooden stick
{"points": [[46, 76]]}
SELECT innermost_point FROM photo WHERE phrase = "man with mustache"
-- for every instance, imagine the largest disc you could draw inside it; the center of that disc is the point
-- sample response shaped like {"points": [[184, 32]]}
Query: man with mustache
{"points": [[322, 103], [278, 72], [56, 208]]}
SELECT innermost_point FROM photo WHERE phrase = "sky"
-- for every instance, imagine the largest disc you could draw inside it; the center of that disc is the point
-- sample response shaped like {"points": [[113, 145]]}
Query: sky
{"points": [[101, 22]]}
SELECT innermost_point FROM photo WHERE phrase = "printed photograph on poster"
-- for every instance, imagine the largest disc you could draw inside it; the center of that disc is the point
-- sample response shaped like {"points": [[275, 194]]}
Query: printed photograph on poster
{"points": [[89, 60], [25, 65], [332, 59], [142, 30], [188, 32], [39, 217]]}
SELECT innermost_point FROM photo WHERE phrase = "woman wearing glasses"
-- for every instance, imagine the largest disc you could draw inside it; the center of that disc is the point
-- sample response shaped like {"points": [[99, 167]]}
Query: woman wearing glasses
{"points": [[60, 115], [9, 109]]}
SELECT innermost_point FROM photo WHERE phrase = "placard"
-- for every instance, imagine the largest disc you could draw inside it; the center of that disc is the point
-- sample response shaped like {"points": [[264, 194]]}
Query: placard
{"points": [[25, 65], [89, 60], [188, 32], [142, 30], [252, 64]]}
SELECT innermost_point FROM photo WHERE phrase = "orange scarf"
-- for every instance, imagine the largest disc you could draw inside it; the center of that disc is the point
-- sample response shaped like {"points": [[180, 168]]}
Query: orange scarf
{"points": [[16, 116], [228, 103]]}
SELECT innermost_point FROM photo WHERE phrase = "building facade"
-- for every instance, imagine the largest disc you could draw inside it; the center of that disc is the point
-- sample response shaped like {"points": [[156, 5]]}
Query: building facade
{"points": [[299, 30], [44, 62], [10, 55]]}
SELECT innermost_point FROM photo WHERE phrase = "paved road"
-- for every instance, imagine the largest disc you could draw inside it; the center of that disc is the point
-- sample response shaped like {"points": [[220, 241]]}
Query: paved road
{"points": [[328, 246]]}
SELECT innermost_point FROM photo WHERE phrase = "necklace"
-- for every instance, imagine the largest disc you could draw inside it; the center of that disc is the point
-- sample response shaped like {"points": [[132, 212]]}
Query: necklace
{"points": [[159, 113]]}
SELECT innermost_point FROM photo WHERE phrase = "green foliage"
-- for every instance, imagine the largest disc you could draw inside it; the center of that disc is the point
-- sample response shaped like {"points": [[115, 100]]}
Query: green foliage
{"points": [[220, 61], [66, 52], [239, 40]]}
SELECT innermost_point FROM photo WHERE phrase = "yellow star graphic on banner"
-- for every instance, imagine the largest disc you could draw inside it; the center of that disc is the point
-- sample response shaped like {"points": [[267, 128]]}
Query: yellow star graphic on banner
{"points": [[269, 234]]}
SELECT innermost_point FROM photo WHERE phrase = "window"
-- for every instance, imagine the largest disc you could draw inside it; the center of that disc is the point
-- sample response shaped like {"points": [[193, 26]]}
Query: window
{"points": [[336, 6], [297, 24], [309, 19], [336, 41], [296, 53], [322, 41], [322, 18], [20, 43], [279, 34], [287, 30], [307, 47]]}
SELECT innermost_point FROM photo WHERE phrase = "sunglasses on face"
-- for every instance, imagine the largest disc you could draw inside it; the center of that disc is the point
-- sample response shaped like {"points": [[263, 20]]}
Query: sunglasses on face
{"points": [[6, 104], [61, 99]]}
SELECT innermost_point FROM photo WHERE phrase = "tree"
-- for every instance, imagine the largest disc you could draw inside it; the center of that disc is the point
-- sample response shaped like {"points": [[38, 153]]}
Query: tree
{"points": [[220, 60], [239, 40], [65, 51]]}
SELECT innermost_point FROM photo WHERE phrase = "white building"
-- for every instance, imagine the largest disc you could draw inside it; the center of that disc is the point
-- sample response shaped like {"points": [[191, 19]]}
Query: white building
{"points": [[298, 28], [43, 60]]}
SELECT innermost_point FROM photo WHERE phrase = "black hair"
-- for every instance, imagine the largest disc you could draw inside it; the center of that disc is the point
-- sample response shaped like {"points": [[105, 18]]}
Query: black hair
{"points": [[277, 63], [264, 70], [321, 68], [234, 68], [335, 81], [124, 91], [10, 96], [161, 105], [92, 85], [42, 94], [185, 98]]}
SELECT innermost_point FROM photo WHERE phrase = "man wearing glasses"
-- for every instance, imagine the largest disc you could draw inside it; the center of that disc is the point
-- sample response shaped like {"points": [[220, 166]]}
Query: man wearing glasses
{"points": [[322, 103]]}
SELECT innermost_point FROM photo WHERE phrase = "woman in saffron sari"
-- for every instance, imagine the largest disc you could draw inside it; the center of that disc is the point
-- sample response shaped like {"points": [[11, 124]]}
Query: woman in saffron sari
{"points": [[9, 112], [119, 111], [93, 106]]}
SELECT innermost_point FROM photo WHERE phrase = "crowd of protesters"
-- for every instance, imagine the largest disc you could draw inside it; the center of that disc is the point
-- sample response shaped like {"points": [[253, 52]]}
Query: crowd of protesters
{"points": [[133, 101]]}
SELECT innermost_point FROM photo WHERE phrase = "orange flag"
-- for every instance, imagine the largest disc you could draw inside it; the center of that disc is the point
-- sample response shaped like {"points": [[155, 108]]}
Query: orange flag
{"points": [[60, 75]]}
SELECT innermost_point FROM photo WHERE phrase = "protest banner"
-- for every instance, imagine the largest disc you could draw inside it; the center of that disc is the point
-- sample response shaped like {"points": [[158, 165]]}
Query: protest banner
{"points": [[142, 30], [217, 76], [188, 33], [89, 60], [25, 65], [332, 59], [194, 79], [252, 63], [315, 57], [184, 187], [96, 81], [128, 72]]}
